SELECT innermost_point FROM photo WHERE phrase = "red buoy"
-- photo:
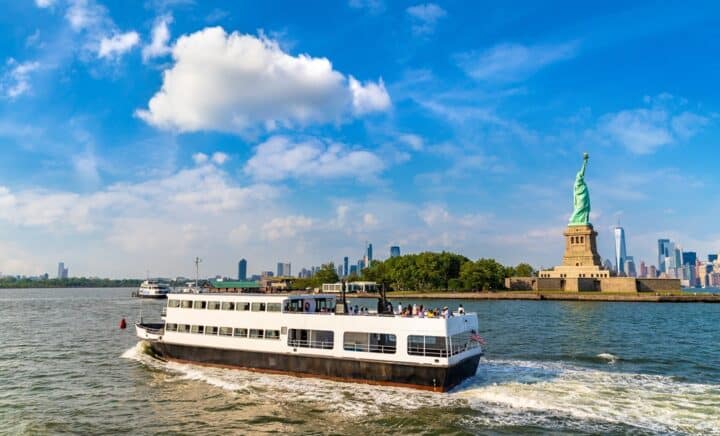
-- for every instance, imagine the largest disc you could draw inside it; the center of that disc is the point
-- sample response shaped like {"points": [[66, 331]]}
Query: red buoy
{"points": [[123, 324]]}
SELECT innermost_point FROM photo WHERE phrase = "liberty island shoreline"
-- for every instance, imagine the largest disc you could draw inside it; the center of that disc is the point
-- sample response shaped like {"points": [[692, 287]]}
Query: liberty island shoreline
{"points": [[555, 296]]}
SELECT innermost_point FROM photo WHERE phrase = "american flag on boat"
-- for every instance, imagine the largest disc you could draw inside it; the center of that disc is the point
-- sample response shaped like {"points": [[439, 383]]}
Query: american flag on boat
{"points": [[477, 338]]}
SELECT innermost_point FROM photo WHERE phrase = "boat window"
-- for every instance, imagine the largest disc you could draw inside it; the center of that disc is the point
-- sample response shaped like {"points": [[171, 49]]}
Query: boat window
{"points": [[200, 304], [228, 305], [293, 305], [273, 307], [186, 304], [323, 339], [183, 328], [197, 329], [435, 346], [173, 303], [241, 333], [170, 327], [272, 334], [210, 330], [226, 331], [461, 342], [256, 333], [258, 307], [370, 342], [323, 305], [243, 305], [214, 305]]}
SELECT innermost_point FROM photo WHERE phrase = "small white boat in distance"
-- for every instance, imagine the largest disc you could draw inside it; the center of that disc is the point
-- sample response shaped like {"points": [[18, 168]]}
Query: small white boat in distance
{"points": [[152, 289], [190, 288]]}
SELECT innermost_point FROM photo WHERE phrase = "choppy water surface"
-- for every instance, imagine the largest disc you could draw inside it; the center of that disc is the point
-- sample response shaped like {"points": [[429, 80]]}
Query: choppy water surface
{"points": [[551, 367]]}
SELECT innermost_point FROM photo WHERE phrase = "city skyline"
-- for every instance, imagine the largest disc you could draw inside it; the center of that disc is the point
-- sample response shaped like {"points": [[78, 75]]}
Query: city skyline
{"points": [[440, 129]]}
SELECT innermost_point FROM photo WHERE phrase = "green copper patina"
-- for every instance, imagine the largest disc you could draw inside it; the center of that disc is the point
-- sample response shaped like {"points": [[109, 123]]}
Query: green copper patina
{"points": [[581, 199]]}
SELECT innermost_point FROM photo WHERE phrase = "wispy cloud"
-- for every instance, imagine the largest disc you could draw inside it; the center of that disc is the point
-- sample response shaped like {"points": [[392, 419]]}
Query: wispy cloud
{"points": [[511, 62], [645, 130], [16, 79], [425, 17], [280, 158], [160, 38]]}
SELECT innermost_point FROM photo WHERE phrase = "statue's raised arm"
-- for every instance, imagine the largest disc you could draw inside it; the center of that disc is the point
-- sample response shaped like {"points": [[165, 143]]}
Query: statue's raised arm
{"points": [[581, 197]]}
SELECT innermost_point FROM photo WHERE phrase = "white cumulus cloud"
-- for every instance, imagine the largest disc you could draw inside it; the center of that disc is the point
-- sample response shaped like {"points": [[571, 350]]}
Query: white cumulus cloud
{"points": [[286, 227], [117, 45], [241, 83], [160, 38], [44, 3], [280, 158], [370, 97]]}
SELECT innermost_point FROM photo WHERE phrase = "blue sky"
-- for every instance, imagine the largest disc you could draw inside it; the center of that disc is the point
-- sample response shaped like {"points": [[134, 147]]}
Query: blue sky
{"points": [[136, 136]]}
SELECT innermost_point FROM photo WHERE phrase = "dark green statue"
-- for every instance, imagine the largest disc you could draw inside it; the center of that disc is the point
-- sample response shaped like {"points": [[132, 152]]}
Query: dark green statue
{"points": [[581, 198]]}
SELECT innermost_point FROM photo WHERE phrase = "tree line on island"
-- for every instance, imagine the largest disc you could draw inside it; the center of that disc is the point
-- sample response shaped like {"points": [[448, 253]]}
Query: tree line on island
{"points": [[426, 271], [71, 282]]}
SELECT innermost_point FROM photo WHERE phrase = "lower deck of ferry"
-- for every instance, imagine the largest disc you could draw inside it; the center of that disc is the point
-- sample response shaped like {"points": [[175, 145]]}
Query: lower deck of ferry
{"points": [[427, 377]]}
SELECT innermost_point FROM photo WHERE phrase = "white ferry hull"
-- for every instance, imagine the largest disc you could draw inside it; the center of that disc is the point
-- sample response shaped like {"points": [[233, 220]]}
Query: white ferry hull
{"points": [[418, 376]]}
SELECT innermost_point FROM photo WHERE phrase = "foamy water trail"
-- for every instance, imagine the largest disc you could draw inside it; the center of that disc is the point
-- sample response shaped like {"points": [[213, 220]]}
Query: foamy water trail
{"points": [[503, 393], [650, 402]]}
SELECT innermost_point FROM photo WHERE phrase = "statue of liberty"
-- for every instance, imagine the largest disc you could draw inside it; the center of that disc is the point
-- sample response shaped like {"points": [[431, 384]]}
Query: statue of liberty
{"points": [[581, 198]]}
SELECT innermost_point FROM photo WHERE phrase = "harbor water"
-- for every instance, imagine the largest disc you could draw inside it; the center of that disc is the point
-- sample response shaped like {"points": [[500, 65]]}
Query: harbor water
{"points": [[550, 367]]}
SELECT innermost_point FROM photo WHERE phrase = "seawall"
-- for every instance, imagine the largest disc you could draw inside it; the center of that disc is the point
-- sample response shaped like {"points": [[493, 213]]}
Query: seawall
{"points": [[557, 296]]}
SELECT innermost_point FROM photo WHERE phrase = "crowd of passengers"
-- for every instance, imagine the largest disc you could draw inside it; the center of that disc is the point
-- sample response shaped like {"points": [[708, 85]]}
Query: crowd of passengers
{"points": [[412, 311]]}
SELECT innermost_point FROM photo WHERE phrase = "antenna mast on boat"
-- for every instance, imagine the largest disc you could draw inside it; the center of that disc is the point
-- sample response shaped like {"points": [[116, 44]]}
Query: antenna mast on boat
{"points": [[197, 271]]}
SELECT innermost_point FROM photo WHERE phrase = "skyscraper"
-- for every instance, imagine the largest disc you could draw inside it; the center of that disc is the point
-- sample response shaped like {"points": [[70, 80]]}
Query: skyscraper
{"points": [[629, 267], [712, 257], [663, 252], [283, 269], [62, 271], [242, 269], [689, 258], [620, 253], [394, 251], [367, 260], [346, 269]]}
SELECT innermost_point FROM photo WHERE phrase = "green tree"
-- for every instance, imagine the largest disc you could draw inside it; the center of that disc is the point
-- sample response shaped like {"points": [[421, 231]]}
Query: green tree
{"points": [[524, 270], [483, 274], [326, 274]]}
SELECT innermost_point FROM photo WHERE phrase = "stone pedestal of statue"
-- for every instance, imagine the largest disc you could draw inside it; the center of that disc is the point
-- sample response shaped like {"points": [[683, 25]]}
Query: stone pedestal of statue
{"points": [[580, 246]]}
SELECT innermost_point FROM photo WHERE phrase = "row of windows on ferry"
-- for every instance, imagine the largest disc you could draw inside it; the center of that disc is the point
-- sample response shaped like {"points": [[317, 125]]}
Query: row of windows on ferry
{"points": [[417, 345], [295, 305]]}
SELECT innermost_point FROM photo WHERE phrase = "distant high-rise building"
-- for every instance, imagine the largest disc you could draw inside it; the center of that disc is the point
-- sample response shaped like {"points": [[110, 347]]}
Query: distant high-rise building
{"points": [[620, 252], [283, 269], [368, 255], [663, 252], [353, 270], [712, 257], [242, 269], [340, 270], [689, 258], [361, 265], [652, 272], [608, 265], [643, 273], [346, 269], [394, 251], [629, 267], [62, 271], [265, 274]]}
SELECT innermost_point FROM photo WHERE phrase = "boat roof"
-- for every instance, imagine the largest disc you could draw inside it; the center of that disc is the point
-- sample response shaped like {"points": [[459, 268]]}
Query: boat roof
{"points": [[239, 296]]}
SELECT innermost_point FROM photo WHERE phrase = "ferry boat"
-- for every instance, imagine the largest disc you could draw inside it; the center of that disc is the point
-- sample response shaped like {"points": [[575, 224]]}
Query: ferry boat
{"points": [[313, 335], [152, 289]]}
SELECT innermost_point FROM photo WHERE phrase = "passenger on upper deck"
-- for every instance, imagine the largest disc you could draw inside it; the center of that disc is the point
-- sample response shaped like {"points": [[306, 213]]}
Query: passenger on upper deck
{"points": [[461, 310]]}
